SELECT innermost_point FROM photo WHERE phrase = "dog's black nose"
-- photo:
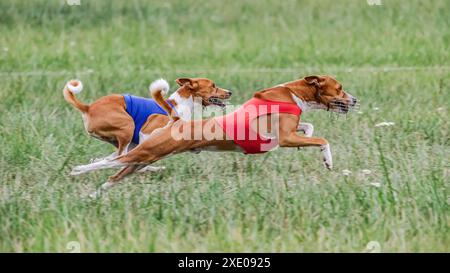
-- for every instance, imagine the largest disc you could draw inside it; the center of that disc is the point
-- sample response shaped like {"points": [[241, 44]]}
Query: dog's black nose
{"points": [[354, 101], [229, 93]]}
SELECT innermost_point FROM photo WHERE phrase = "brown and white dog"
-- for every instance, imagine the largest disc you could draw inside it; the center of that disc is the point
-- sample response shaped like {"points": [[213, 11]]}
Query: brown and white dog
{"points": [[108, 118], [312, 92]]}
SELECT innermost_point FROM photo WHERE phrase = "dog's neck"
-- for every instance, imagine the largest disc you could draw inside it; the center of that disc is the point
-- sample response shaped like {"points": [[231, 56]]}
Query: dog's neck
{"points": [[304, 96], [307, 105], [184, 103]]}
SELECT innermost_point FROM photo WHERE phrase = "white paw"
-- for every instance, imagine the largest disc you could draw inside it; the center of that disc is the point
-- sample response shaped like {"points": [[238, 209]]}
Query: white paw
{"points": [[309, 133], [327, 158], [306, 128]]}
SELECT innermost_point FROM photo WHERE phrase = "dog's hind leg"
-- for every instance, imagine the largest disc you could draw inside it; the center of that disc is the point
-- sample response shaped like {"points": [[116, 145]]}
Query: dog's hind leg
{"points": [[152, 150], [103, 164], [124, 141], [127, 149], [123, 144], [111, 124]]}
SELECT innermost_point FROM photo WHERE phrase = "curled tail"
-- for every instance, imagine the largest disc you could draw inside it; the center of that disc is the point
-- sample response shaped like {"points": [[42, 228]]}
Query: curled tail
{"points": [[158, 89], [74, 87]]}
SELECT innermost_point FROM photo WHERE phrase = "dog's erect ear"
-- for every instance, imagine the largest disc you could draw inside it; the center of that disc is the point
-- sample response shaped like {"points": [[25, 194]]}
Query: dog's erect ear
{"points": [[190, 83], [314, 80]]}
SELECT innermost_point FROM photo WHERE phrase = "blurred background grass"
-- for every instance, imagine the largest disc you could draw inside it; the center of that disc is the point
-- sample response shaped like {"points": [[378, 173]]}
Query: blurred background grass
{"points": [[282, 201]]}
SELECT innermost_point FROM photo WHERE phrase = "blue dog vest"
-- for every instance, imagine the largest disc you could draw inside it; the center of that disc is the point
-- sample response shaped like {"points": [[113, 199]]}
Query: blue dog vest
{"points": [[140, 109]]}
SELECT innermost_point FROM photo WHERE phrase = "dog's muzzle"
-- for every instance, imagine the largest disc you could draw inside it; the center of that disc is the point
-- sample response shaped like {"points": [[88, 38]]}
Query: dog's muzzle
{"points": [[344, 106], [218, 101]]}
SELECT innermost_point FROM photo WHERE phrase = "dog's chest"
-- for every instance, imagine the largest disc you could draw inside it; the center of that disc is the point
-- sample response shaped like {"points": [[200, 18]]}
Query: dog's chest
{"points": [[86, 123]]}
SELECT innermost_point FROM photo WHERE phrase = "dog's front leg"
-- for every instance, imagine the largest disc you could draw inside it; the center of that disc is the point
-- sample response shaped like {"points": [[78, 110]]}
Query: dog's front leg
{"points": [[306, 128], [294, 140]]}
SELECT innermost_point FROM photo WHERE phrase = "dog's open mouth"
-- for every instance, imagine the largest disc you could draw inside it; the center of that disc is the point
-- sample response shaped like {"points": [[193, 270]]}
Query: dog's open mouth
{"points": [[218, 101]]}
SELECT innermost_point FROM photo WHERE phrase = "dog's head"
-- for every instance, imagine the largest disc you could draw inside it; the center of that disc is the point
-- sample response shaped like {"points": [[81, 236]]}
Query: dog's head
{"points": [[205, 89], [330, 94]]}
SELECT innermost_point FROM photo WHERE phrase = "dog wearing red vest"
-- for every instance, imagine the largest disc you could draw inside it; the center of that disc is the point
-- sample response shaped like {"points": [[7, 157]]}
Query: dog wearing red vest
{"points": [[268, 120]]}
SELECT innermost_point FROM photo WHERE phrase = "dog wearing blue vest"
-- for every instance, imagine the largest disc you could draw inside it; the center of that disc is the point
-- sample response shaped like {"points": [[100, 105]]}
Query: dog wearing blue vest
{"points": [[125, 120]]}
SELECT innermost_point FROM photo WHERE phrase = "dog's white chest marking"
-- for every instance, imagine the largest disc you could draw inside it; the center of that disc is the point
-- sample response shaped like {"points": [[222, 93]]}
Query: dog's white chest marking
{"points": [[307, 105], [184, 107], [85, 122]]}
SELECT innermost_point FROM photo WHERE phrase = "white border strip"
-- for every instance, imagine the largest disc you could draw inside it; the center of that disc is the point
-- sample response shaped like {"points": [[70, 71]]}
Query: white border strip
{"points": [[370, 69]]}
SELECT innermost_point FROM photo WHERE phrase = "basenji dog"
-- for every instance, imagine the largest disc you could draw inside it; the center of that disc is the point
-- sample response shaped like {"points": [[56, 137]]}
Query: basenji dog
{"points": [[277, 110], [126, 120]]}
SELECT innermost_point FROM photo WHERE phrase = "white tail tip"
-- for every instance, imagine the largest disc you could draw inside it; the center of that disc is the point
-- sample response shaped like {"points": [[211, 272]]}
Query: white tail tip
{"points": [[159, 85], [74, 86]]}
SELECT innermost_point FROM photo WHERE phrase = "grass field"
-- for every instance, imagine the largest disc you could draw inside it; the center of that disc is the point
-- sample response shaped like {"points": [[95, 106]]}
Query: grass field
{"points": [[281, 201]]}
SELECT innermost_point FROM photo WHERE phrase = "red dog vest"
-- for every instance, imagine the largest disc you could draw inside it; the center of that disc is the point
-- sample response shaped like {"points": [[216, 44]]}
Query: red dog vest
{"points": [[237, 125]]}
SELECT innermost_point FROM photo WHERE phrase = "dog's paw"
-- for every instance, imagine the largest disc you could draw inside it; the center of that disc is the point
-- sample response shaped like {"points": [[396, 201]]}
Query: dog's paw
{"points": [[309, 129], [327, 158], [306, 128], [328, 165], [309, 133]]}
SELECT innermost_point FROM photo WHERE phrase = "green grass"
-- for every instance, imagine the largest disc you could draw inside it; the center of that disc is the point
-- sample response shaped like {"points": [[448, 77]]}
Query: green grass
{"points": [[281, 201]]}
